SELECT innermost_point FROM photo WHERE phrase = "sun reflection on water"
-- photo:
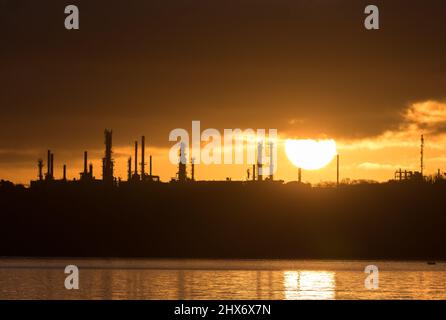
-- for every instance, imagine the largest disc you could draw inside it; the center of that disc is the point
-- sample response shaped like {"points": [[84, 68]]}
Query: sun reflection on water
{"points": [[309, 285], [216, 280]]}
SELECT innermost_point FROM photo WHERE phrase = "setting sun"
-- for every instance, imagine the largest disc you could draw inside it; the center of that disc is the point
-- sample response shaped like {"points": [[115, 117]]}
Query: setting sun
{"points": [[310, 154]]}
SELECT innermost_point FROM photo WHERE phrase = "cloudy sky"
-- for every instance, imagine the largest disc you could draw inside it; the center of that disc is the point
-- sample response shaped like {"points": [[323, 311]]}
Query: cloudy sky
{"points": [[306, 67]]}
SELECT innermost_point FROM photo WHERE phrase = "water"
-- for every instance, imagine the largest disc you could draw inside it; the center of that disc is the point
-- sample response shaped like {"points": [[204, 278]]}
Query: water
{"points": [[219, 279]]}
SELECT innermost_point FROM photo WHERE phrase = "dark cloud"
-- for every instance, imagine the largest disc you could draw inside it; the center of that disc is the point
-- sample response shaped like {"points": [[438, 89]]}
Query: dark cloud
{"points": [[16, 158], [151, 66]]}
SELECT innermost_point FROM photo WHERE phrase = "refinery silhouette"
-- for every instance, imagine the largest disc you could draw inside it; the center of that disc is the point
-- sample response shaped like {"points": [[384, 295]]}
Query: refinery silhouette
{"points": [[257, 218], [138, 174]]}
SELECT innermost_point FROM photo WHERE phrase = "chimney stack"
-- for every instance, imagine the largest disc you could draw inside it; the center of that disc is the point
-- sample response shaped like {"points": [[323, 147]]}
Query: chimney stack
{"points": [[52, 166], [40, 166], [136, 158], [150, 167], [64, 172], [85, 162], [271, 161], [182, 172], [107, 161], [337, 170], [129, 169], [193, 169], [300, 175], [91, 170], [48, 173], [259, 161], [143, 146]]}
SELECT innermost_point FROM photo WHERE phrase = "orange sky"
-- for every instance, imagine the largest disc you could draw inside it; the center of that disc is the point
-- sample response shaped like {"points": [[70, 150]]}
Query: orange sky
{"points": [[374, 158], [306, 68]]}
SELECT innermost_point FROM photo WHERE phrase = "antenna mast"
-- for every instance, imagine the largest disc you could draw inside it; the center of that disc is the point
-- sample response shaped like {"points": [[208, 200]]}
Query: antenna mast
{"points": [[422, 155]]}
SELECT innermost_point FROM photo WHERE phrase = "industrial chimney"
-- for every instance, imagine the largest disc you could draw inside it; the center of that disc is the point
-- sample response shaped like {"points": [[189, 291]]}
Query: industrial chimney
{"points": [[337, 170], [259, 161], [143, 146], [48, 172], [85, 163], [107, 161], [182, 172], [193, 169], [136, 159], [40, 166], [52, 166], [129, 169], [271, 161]]}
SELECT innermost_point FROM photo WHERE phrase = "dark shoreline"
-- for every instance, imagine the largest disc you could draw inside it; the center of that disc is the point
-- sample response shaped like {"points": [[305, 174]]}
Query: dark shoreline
{"points": [[43, 258], [394, 221]]}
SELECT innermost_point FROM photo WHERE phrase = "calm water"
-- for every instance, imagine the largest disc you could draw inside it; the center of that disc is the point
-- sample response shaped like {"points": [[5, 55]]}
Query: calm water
{"points": [[219, 279]]}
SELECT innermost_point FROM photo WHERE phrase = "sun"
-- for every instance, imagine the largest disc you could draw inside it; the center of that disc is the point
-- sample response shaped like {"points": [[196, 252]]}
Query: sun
{"points": [[310, 154]]}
